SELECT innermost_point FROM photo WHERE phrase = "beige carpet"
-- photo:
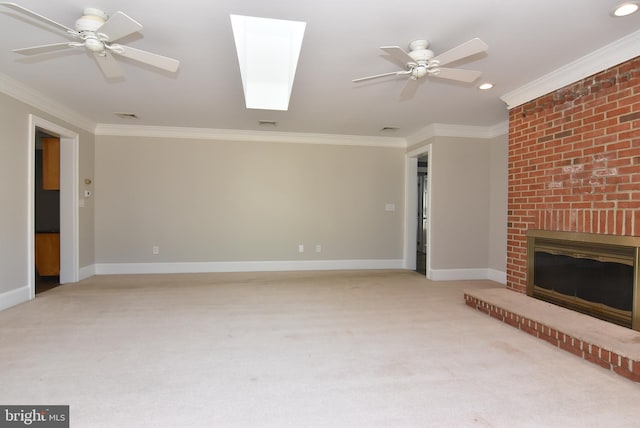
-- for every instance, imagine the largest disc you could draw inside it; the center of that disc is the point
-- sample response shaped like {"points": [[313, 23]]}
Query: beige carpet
{"points": [[310, 349]]}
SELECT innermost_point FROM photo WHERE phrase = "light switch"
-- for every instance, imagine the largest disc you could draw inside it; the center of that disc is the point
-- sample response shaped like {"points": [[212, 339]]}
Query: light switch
{"points": [[390, 207]]}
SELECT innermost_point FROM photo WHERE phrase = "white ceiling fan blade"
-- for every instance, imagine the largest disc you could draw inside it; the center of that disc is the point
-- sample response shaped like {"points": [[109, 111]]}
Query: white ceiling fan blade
{"points": [[35, 50], [458, 74], [108, 64], [472, 47], [410, 89], [149, 58], [399, 54], [69, 31], [393, 73], [118, 26]]}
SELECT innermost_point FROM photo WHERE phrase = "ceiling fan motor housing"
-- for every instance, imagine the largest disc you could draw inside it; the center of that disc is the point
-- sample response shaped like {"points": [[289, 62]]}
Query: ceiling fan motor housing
{"points": [[91, 20], [88, 25], [419, 52]]}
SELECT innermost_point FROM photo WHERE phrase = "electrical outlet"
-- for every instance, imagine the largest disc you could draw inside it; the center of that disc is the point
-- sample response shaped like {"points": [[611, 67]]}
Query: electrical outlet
{"points": [[318, 248], [155, 249], [301, 248]]}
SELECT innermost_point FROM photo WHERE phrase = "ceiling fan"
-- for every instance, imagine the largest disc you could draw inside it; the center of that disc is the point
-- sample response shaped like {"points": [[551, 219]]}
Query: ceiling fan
{"points": [[96, 32], [420, 61]]}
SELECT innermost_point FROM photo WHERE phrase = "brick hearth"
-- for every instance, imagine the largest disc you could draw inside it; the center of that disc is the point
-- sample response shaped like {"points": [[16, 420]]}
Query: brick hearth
{"points": [[608, 345]]}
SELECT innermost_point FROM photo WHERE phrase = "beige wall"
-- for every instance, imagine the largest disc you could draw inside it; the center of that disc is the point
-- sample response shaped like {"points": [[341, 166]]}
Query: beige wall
{"points": [[14, 171], [14, 122], [468, 206], [459, 171], [498, 185], [212, 201]]}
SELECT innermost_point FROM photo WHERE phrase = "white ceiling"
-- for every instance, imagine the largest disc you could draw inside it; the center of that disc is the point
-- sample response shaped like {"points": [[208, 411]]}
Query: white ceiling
{"points": [[527, 40]]}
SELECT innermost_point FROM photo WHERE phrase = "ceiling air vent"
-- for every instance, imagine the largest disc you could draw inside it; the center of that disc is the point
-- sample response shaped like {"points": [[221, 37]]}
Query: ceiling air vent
{"points": [[267, 123], [389, 129], [127, 115]]}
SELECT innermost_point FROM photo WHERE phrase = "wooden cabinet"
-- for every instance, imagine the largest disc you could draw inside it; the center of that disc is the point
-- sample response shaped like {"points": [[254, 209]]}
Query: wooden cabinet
{"points": [[48, 254], [51, 163]]}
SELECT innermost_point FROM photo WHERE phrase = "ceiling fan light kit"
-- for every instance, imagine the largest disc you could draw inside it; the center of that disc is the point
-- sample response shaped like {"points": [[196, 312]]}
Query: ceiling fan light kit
{"points": [[96, 32]]}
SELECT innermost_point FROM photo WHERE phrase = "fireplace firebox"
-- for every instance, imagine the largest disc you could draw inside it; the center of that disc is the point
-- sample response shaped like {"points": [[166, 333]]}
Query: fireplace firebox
{"points": [[590, 273]]}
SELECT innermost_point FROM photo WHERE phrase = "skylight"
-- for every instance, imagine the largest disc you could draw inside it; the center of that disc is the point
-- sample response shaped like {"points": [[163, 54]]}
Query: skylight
{"points": [[268, 51]]}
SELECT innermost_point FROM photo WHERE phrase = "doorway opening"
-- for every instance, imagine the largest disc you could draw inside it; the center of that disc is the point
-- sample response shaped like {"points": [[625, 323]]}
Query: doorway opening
{"points": [[68, 202], [422, 214], [47, 211], [418, 204]]}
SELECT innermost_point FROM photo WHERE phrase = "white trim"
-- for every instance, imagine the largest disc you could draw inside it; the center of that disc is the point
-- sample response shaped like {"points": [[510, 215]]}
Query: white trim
{"points": [[410, 212], [31, 204], [254, 266], [608, 56], [246, 136], [69, 225], [462, 131], [458, 274], [69, 197], [14, 297], [86, 272], [36, 99], [497, 276], [430, 169], [468, 274]]}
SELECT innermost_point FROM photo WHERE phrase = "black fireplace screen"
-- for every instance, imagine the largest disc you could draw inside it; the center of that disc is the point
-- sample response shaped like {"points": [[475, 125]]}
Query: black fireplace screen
{"points": [[608, 283]]}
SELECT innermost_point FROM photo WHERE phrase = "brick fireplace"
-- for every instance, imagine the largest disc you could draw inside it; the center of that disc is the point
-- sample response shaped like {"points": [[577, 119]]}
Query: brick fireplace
{"points": [[574, 163], [574, 169]]}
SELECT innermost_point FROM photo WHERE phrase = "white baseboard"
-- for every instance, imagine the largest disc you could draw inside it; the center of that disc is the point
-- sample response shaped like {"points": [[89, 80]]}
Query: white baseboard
{"points": [[14, 297], [86, 272], [497, 276], [467, 274], [256, 266]]}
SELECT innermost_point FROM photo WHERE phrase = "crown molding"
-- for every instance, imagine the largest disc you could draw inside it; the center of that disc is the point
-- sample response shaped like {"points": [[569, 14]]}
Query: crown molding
{"points": [[462, 131], [30, 96], [245, 136], [608, 56]]}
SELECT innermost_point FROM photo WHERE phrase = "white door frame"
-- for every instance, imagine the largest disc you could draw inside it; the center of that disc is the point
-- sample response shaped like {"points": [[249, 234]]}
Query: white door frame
{"points": [[411, 207], [69, 231]]}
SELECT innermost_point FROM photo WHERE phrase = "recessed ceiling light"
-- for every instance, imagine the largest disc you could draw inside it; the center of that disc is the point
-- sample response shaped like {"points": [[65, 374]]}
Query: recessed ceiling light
{"points": [[486, 86], [625, 9]]}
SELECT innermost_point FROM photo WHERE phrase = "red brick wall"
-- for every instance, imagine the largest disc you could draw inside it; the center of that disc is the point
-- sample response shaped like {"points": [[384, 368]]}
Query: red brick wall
{"points": [[574, 162]]}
